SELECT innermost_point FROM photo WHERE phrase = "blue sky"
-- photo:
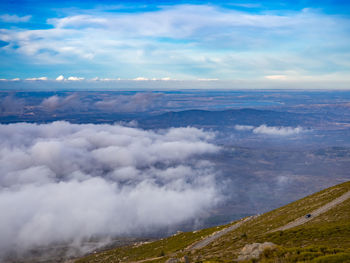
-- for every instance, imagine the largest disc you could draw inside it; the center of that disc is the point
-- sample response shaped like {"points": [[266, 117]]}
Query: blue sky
{"points": [[184, 40]]}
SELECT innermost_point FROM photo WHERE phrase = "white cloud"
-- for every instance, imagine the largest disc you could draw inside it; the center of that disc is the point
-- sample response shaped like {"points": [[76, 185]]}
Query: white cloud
{"points": [[140, 79], [51, 102], [205, 79], [176, 21], [54, 102], [78, 21], [276, 77], [75, 78], [271, 130], [60, 78], [104, 79], [34, 79], [14, 18], [153, 79], [244, 127], [10, 105], [131, 103], [62, 181], [279, 131]]}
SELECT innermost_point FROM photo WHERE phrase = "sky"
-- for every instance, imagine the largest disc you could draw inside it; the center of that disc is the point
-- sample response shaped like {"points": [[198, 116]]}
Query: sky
{"points": [[175, 40]]}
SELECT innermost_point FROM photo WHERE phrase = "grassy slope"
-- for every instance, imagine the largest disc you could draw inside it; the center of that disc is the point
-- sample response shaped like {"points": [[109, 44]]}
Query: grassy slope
{"points": [[330, 230], [166, 246]]}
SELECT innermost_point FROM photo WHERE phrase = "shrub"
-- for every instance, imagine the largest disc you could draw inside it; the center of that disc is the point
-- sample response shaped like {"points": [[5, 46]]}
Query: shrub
{"points": [[337, 258]]}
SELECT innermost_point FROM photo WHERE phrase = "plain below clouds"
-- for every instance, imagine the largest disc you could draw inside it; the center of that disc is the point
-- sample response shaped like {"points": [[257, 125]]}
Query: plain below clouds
{"points": [[63, 182]]}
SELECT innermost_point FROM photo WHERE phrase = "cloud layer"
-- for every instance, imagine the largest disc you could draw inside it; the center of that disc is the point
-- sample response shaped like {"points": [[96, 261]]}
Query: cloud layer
{"points": [[62, 182]]}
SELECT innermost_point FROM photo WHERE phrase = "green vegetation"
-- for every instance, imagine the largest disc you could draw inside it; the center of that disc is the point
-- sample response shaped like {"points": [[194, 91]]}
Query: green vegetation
{"points": [[325, 238], [159, 248], [306, 254], [331, 229], [227, 247]]}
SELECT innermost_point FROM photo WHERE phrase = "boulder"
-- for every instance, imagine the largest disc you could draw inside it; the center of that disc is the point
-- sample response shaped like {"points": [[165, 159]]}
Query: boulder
{"points": [[253, 251]]}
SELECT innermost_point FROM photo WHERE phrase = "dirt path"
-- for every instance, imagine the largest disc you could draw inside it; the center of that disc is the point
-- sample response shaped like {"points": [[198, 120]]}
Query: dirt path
{"points": [[147, 259], [299, 221], [216, 235], [302, 220], [204, 242]]}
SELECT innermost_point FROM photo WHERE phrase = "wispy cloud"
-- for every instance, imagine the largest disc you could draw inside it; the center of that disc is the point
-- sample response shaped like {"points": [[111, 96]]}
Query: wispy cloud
{"points": [[271, 130], [244, 127], [189, 41], [14, 18], [132, 103], [54, 102], [75, 78], [279, 131], [246, 5], [276, 77], [40, 78]]}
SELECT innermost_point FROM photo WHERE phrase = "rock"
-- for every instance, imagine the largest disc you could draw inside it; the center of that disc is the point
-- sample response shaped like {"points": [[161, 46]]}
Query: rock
{"points": [[253, 251], [185, 259]]}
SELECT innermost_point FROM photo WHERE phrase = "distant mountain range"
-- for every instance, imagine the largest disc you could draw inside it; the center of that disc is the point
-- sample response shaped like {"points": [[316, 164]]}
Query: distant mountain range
{"points": [[199, 118], [226, 118]]}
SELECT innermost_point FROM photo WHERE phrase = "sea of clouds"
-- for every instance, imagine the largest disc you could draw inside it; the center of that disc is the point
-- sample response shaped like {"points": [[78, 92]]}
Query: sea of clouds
{"points": [[62, 182]]}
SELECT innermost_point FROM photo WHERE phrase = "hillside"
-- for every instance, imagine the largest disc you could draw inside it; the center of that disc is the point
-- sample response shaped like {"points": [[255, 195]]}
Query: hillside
{"points": [[323, 238]]}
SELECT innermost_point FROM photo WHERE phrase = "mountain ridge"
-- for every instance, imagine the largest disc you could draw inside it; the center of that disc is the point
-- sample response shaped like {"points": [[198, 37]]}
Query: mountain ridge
{"points": [[229, 117]]}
